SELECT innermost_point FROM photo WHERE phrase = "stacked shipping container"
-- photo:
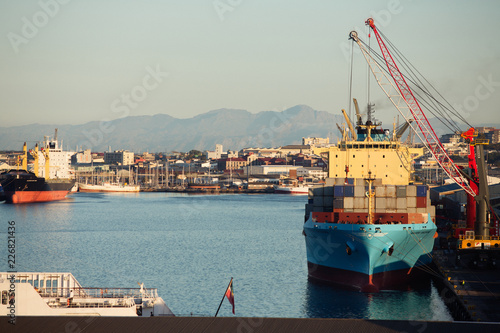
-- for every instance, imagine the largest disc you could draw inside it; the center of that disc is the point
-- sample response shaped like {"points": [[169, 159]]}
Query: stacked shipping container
{"points": [[346, 200]]}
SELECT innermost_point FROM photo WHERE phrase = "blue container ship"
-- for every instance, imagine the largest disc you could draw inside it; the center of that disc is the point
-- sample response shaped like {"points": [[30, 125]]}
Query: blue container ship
{"points": [[369, 227]]}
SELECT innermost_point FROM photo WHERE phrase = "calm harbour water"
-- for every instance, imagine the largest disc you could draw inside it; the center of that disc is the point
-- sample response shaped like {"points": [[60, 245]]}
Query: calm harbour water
{"points": [[189, 246]]}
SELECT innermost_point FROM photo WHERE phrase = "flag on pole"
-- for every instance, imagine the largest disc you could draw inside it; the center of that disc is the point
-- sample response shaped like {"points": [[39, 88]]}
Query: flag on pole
{"points": [[230, 294]]}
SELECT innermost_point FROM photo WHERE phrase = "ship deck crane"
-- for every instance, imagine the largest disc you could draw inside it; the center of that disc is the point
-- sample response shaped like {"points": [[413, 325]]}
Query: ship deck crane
{"points": [[401, 95]]}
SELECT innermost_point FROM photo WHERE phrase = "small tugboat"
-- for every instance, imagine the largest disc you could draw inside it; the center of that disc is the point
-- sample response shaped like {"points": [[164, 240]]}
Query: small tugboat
{"points": [[60, 294]]}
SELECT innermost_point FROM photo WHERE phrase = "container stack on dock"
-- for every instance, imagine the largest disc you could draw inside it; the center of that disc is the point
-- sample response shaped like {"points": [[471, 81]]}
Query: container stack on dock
{"points": [[345, 200]]}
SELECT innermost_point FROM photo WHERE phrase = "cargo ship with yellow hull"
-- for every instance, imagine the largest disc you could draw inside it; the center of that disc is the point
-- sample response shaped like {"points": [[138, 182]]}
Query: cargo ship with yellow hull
{"points": [[368, 227], [51, 178]]}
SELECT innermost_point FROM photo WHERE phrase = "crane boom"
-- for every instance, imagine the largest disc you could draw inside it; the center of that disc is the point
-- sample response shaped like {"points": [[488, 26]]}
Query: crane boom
{"points": [[349, 124], [403, 128], [405, 95], [358, 115]]}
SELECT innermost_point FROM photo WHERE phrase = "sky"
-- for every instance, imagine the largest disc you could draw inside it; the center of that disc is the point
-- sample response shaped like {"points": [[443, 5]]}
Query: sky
{"points": [[75, 61]]}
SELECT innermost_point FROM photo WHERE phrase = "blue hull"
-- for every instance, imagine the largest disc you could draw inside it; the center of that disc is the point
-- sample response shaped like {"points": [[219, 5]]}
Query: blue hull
{"points": [[369, 257]]}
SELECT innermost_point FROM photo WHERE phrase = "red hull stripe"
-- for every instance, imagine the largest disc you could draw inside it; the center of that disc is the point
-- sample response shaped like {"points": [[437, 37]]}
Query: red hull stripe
{"points": [[379, 281], [34, 196]]}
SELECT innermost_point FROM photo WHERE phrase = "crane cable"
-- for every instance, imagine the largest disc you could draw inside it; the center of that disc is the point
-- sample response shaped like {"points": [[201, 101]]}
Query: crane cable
{"points": [[436, 113], [408, 66], [405, 60], [445, 118]]}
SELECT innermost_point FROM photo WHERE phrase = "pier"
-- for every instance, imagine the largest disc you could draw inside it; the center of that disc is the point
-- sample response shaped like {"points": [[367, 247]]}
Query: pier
{"points": [[235, 324], [471, 292]]}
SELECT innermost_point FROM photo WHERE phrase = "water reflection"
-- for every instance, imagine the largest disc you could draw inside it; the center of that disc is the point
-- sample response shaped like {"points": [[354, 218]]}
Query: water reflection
{"points": [[327, 301]]}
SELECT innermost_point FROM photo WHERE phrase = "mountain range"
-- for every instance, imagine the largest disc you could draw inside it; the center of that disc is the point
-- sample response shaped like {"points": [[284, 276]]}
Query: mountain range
{"points": [[233, 128]]}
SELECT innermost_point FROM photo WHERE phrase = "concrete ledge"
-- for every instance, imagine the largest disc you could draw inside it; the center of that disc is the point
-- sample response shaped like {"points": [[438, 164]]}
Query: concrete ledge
{"points": [[233, 324]]}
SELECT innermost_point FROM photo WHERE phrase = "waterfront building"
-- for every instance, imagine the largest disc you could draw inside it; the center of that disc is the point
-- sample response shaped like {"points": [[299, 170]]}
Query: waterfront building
{"points": [[214, 155], [120, 157], [232, 163], [295, 149], [261, 152], [82, 157], [270, 169], [313, 172], [316, 142]]}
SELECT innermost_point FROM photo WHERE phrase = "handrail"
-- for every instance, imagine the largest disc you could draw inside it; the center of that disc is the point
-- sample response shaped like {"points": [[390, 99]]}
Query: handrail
{"points": [[98, 292], [464, 237]]}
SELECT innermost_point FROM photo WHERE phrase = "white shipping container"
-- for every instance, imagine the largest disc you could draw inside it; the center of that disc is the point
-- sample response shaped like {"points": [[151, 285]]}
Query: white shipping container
{"points": [[390, 191], [339, 181], [361, 203], [330, 181], [348, 202], [391, 203], [359, 191], [401, 203], [380, 191], [359, 182], [411, 191], [381, 203]]}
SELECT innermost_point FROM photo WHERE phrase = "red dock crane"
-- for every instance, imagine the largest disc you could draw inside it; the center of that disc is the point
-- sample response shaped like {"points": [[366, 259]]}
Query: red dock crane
{"points": [[402, 97]]}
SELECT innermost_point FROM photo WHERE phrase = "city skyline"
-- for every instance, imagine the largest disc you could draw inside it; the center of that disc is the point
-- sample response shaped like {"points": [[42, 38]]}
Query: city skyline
{"points": [[71, 62]]}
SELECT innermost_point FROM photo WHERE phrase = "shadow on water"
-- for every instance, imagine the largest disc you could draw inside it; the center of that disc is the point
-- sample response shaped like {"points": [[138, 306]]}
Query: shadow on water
{"points": [[418, 302], [329, 301]]}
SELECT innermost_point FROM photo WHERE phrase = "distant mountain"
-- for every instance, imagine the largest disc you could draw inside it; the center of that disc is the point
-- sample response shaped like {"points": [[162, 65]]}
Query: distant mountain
{"points": [[234, 129]]}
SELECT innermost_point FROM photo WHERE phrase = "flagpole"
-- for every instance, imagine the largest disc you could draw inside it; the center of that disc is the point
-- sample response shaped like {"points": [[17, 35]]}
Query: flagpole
{"points": [[224, 296]]}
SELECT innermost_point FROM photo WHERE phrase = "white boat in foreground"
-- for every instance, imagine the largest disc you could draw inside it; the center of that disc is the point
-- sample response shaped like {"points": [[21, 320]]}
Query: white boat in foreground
{"points": [[60, 294]]}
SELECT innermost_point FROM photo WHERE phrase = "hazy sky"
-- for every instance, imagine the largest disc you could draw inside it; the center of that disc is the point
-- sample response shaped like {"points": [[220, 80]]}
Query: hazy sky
{"points": [[70, 62]]}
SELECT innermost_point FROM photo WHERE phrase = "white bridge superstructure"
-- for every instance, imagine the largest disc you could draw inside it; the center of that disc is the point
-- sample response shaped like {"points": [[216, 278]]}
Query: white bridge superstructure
{"points": [[60, 294]]}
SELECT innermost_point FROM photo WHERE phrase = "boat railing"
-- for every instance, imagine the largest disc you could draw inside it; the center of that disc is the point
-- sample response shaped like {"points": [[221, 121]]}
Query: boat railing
{"points": [[98, 292], [476, 237], [57, 302]]}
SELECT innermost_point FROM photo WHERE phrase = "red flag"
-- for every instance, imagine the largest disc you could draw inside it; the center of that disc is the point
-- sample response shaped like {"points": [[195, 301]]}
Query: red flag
{"points": [[230, 294]]}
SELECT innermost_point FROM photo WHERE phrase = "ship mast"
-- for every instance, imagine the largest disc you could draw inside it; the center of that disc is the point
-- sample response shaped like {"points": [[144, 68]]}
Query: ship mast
{"points": [[24, 162], [34, 154], [370, 195]]}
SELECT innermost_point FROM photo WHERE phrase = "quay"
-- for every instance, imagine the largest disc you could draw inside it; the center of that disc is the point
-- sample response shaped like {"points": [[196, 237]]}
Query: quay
{"points": [[235, 324], [471, 291], [210, 190]]}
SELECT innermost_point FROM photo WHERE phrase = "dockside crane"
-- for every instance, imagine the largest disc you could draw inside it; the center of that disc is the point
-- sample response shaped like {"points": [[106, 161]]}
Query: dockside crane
{"points": [[401, 95]]}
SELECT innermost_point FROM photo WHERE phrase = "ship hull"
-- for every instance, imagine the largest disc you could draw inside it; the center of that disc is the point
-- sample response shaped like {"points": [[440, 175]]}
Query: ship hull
{"points": [[368, 257], [387, 280], [23, 187], [34, 196], [291, 190], [108, 188]]}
